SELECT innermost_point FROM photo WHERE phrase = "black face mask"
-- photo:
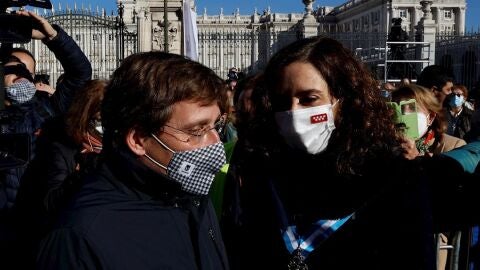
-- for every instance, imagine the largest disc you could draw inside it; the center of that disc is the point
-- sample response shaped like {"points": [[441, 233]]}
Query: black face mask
{"points": [[20, 70]]}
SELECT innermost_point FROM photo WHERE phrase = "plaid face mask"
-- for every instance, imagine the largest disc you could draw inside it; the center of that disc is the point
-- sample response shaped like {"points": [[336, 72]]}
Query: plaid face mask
{"points": [[194, 169], [21, 91]]}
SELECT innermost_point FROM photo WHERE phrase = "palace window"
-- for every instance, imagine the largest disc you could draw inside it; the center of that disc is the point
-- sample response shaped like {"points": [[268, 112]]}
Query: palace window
{"points": [[447, 14], [402, 13], [375, 17]]}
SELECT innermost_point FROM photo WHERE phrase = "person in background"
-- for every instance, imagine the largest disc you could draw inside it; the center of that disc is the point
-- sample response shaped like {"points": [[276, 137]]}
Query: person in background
{"points": [[73, 142], [475, 120], [437, 79], [26, 113], [229, 133], [386, 90], [239, 121], [325, 184], [146, 205], [42, 84], [432, 125], [458, 114], [433, 139], [243, 100]]}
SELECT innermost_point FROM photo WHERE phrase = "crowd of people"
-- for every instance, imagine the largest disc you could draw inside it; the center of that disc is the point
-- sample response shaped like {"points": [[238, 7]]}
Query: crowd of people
{"points": [[303, 165]]}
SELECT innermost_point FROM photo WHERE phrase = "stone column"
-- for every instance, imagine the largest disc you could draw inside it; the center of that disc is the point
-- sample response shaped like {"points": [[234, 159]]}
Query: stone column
{"points": [[461, 21], [309, 24], [144, 30], [426, 31], [417, 11], [255, 50]]}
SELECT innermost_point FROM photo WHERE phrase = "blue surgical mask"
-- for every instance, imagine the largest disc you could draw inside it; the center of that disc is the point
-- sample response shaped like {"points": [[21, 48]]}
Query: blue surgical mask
{"points": [[457, 101]]}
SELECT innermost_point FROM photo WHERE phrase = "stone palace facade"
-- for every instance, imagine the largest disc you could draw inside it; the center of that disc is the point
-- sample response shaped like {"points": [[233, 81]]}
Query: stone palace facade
{"points": [[231, 39]]}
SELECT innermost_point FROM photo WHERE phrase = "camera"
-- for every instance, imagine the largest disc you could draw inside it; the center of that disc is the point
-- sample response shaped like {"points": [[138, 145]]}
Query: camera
{"points": [[397, 21], [18, 29], [14, 147]]}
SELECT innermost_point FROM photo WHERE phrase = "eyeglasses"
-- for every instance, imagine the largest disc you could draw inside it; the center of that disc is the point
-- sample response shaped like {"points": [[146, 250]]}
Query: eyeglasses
{"points": [[196, 136], [458, 94]]}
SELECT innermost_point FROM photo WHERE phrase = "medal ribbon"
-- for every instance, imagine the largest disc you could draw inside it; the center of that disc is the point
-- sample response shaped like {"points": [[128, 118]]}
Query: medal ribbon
{"points": [[318, 233]]}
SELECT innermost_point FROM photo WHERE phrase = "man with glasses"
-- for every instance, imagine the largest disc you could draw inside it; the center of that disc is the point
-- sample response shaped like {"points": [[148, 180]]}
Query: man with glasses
{"points": [[147, 206]]}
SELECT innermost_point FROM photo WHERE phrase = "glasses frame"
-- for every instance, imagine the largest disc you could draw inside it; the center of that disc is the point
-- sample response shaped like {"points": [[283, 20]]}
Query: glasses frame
{"points": [[218, 126]]}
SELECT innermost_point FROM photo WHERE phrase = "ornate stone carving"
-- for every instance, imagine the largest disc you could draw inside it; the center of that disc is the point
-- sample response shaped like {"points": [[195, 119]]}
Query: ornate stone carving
{"points": [[158, 36]]}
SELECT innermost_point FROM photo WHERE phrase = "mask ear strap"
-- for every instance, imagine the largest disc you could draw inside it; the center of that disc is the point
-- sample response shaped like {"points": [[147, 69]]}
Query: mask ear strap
{"points": [[162, 144], [335, 103], [89, 142], [156, 162]]}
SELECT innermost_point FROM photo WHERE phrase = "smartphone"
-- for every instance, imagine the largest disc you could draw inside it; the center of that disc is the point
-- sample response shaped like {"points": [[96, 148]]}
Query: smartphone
{"points": [[407, 117], [15, 28]]}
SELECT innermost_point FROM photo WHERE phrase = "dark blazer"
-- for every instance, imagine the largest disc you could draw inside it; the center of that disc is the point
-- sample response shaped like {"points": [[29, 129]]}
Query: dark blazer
{"points": [[128, 217]]}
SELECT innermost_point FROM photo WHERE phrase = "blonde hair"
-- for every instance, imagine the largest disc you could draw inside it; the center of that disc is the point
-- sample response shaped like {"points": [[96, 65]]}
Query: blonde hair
{"points": [[425, 98]]}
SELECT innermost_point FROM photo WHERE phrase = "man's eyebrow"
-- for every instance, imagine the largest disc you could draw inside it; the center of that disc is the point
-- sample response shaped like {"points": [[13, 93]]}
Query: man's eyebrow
{"points": [[199, 123]]}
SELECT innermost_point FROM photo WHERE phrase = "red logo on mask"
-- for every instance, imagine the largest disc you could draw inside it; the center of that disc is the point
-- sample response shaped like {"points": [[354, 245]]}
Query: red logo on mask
{"points": [[319, 118]]}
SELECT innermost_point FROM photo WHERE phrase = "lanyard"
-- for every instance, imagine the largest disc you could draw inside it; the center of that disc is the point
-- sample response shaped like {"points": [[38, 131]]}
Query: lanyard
{"points": [[319, 232], [300, 246]]}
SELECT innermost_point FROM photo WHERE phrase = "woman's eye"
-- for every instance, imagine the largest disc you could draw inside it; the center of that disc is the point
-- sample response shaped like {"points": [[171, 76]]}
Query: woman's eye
{"points": [[308, 100]]}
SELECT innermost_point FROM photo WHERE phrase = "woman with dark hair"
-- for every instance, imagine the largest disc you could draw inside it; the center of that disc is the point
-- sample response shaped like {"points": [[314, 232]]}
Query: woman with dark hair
{"points": [[74, 154], [324, 183], [69, 147], [67, 143]]}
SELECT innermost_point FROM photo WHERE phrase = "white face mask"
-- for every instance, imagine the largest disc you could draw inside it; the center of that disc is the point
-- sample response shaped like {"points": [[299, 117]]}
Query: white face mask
{"points": [[308, 129], [422, 124]]}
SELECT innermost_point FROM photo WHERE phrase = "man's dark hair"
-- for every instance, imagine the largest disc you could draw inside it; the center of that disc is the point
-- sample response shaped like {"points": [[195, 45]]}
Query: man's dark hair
{"points": [[434, 76], [144, 88]]}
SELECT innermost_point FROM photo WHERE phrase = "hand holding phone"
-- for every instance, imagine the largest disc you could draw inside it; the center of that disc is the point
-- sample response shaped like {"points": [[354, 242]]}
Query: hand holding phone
{"points": [[407, 117], [40, 28]]}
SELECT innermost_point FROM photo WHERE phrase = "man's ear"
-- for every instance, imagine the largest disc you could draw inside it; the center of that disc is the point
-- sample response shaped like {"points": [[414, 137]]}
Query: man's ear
{"points": [[136, 142]]}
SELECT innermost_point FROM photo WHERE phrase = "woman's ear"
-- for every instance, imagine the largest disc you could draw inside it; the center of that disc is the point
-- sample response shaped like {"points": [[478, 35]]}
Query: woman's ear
{"points": [[136, 142]]}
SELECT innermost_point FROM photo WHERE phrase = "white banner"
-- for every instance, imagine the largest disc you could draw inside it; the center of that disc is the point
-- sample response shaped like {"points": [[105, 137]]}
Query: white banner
{"points": [[190, 36]]}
